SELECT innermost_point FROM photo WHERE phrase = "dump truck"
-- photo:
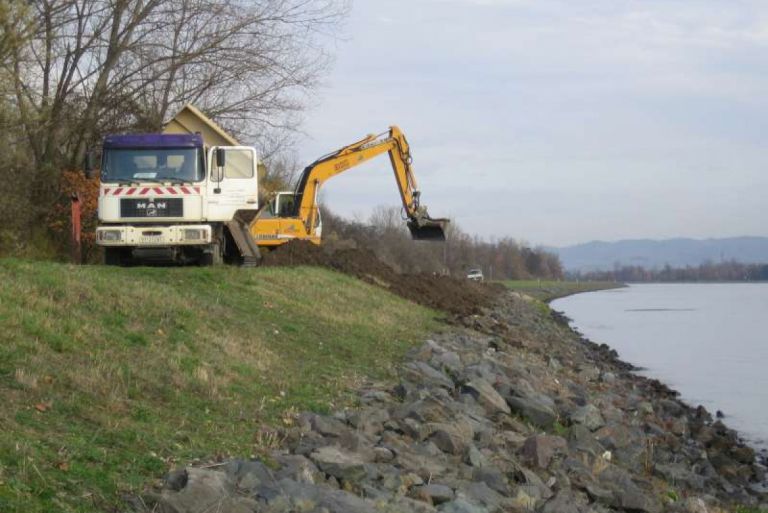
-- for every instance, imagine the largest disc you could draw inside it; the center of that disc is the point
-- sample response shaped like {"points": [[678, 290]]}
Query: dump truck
{"points": [[191, 195], [178, 196]]}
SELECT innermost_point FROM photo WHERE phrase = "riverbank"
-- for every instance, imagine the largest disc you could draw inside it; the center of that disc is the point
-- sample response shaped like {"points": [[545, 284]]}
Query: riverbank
{"points": [[508, 410], [550, 290], [705, 340]]}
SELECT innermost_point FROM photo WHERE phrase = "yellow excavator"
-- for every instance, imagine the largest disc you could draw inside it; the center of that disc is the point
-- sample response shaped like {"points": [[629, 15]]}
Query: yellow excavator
{"points": [[296, 215]]}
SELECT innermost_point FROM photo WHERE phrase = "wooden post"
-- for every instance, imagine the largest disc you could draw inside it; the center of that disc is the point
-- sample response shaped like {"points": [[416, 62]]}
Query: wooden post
{"points": [[75, 241]]}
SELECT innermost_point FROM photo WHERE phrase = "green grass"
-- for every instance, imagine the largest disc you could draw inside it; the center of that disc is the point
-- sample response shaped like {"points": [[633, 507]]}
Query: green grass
{"points": [[547, 290], [559, 429], [109, 377]]}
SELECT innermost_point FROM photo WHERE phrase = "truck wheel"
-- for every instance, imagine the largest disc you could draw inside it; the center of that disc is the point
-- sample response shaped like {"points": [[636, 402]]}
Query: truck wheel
{"points": [[213, 257], [115, 256]]}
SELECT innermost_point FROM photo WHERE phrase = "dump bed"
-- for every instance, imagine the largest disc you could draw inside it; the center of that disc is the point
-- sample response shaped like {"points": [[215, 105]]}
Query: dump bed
{"points": [[190, 120]]}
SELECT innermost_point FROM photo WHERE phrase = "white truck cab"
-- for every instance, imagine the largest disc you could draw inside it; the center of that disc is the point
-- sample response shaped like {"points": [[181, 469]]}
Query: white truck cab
{"points": [[169, 197]]}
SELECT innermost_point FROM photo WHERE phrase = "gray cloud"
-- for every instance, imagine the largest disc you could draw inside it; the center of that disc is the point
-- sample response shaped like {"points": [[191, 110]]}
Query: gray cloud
{"points": [[559, 121]]}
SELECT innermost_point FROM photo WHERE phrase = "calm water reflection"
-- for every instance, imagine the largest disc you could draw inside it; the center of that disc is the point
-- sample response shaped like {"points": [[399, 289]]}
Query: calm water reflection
{"points": [[707, 341]]}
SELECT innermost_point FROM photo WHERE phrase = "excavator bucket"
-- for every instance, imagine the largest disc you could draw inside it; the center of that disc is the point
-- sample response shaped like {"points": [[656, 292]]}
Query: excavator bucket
{"points": [[428, 229]]}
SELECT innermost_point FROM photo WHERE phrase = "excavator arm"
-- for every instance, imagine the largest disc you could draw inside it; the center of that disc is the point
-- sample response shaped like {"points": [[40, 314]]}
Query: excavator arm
{"points": [[394, 143]]}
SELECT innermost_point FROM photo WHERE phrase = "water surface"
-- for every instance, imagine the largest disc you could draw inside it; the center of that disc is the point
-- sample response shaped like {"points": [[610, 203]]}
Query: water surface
{"points": [[707, 341]]}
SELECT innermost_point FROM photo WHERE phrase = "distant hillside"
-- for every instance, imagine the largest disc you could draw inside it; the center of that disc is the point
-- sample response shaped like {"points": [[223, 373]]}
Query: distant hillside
{"points": [[600, 256]]}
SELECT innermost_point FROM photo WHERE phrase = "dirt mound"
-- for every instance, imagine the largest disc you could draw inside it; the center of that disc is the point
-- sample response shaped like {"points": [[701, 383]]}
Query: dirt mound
{"points": [[452, 295]]}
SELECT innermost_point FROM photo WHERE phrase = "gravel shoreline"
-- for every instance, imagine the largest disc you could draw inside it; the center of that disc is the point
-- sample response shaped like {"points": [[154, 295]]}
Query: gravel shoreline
{"points": [[509, 410]]}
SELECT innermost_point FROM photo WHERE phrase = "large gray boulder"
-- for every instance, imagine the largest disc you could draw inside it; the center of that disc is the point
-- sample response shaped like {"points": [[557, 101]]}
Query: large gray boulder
{"points": [[582, 439], [588, 416], [532, 485], [339, 464], [296, 467], [435, 493], [538, 450], [328, 426], [449, 360], [487, 396], [565, 501], [480, 493], [627, 494], [493, 478], [421, 373], [535, 411], [339, 501], [677, 473], [461, 506], [201, 491], [449, 439]]}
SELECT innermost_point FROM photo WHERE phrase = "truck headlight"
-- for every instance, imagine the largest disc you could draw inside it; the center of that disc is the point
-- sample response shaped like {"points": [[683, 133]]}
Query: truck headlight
{"points": [[191, 234], [111, 235]]}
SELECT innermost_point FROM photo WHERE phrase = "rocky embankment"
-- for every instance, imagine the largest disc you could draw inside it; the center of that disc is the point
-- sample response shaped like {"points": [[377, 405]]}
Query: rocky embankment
{"points": [[507, 411]]}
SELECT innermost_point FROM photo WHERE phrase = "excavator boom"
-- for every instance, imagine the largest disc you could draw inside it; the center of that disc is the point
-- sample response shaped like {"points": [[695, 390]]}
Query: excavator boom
{"points": [[304, 219]]}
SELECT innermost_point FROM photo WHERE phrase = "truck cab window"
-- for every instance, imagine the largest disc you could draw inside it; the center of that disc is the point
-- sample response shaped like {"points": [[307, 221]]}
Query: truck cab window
{"points": [[239, 164], [123, 164]]}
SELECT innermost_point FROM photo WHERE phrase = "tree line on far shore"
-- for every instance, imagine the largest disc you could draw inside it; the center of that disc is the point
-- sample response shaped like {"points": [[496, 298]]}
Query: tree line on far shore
{"points": [[707, 272], [385, 233]]}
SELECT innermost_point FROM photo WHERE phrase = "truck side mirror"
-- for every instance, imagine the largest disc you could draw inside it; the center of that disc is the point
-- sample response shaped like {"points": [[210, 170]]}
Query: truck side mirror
{"points": [[89, 158], [218, 176], [221, 157]]}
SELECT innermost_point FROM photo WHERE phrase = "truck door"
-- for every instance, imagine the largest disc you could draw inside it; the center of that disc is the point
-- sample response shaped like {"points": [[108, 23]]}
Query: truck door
{"points": [[233, 186]]}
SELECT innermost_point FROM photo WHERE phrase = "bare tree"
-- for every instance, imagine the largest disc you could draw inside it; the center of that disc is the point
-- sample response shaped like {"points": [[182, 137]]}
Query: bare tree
{"points": [[15, 28], [279, 173], [89, 67]]}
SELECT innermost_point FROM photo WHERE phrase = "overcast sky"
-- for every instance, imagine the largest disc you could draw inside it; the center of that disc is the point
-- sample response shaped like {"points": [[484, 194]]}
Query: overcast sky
{"points": [[558, 121]]}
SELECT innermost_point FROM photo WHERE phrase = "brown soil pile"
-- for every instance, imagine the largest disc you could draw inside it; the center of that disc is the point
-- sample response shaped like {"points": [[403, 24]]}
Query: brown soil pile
{"points": [[457, 296]]}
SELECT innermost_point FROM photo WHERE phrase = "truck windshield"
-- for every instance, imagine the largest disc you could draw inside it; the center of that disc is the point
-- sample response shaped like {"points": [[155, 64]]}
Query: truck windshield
{"points": [[167, 164]]}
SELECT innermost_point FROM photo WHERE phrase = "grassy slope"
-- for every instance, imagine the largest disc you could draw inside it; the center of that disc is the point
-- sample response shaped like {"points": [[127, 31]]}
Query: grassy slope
{"points": [[109, 376], [547, 290]]}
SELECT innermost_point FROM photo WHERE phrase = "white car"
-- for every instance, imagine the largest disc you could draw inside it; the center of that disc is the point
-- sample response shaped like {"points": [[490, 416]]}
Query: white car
{"points": [[475, 275]]}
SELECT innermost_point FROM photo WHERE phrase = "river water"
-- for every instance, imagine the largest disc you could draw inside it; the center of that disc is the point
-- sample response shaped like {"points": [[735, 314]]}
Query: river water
{"points": [[707, 341]]}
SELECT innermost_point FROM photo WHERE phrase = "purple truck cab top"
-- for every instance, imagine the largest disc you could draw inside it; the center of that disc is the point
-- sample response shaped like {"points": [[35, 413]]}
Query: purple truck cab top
{"points": [[137, 141]]}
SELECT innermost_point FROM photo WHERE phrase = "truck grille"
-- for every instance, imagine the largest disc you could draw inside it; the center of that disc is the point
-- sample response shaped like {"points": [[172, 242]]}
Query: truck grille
{"points": [[151, 207]]}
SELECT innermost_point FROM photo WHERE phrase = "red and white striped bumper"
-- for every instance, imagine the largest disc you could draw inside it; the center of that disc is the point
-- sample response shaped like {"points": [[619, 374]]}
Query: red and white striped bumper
{"points": [[151, 191], [116, 203]]}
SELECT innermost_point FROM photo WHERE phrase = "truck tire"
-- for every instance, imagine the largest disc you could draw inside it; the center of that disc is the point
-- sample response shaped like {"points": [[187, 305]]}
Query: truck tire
{"points": [[115, 256], [214, 257]]}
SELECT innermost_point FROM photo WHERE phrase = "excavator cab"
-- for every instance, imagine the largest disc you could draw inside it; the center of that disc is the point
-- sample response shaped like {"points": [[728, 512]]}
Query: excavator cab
{"points": [[284, 204]]}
